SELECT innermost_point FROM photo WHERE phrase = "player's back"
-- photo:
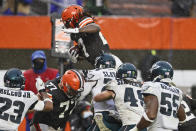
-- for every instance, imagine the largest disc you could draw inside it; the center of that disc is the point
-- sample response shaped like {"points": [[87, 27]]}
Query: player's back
{"points": [[102, 77], [169, 100], [128, 100], [14, 105]]}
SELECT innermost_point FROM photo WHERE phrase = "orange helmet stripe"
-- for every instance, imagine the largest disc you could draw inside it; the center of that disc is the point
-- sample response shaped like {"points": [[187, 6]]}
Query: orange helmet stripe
{"points": [[85, 22]]}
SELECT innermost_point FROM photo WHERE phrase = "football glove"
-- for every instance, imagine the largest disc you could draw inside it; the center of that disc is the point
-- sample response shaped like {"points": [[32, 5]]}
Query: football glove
{"points": [[70, 30], [40, 85], [73, 54]]}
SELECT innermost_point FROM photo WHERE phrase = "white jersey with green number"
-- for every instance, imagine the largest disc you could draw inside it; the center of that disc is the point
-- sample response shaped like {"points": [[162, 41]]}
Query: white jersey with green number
{"points": [[169, 100], [102, 77], [128, 100], [14, 105]]}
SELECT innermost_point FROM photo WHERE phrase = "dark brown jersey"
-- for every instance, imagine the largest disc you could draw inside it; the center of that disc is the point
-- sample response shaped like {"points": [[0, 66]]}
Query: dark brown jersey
{"points": [[63, 107], [91, 45]]}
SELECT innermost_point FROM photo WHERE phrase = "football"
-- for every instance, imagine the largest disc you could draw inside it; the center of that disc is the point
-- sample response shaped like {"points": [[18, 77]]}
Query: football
{"points": [[74, 48], [77, 49]]}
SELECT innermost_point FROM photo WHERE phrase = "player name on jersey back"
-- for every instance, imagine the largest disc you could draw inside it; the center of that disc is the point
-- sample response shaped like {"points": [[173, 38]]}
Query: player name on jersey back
{"points": [[174, 90], [16, 93], [169, 98]]}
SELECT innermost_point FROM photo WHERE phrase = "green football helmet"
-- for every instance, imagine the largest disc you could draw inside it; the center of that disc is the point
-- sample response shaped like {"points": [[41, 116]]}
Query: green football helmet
{"points": [[161, 70]]}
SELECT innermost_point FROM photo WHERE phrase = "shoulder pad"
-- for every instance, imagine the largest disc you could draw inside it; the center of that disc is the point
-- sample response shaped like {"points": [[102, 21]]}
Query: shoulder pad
{"points": [[93, 75], [147, 85], [112, 83]]}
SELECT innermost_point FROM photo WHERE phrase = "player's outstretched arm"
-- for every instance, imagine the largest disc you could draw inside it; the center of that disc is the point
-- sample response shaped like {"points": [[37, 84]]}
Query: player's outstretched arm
{"points": [[150, 113], [46, 104], [105, 95]]}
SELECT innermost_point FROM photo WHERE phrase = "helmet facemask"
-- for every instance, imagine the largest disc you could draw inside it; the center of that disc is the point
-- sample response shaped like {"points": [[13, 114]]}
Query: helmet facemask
{"points": [[70, 92]]}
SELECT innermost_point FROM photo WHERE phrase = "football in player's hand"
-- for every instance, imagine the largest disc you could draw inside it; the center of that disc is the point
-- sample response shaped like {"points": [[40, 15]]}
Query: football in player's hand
{"points": [[74, 53], [75, 49]]}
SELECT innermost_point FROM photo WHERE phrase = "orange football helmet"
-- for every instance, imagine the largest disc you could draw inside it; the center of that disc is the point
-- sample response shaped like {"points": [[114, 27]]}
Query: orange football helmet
{"points": [[71, 15], [72, 83]]}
